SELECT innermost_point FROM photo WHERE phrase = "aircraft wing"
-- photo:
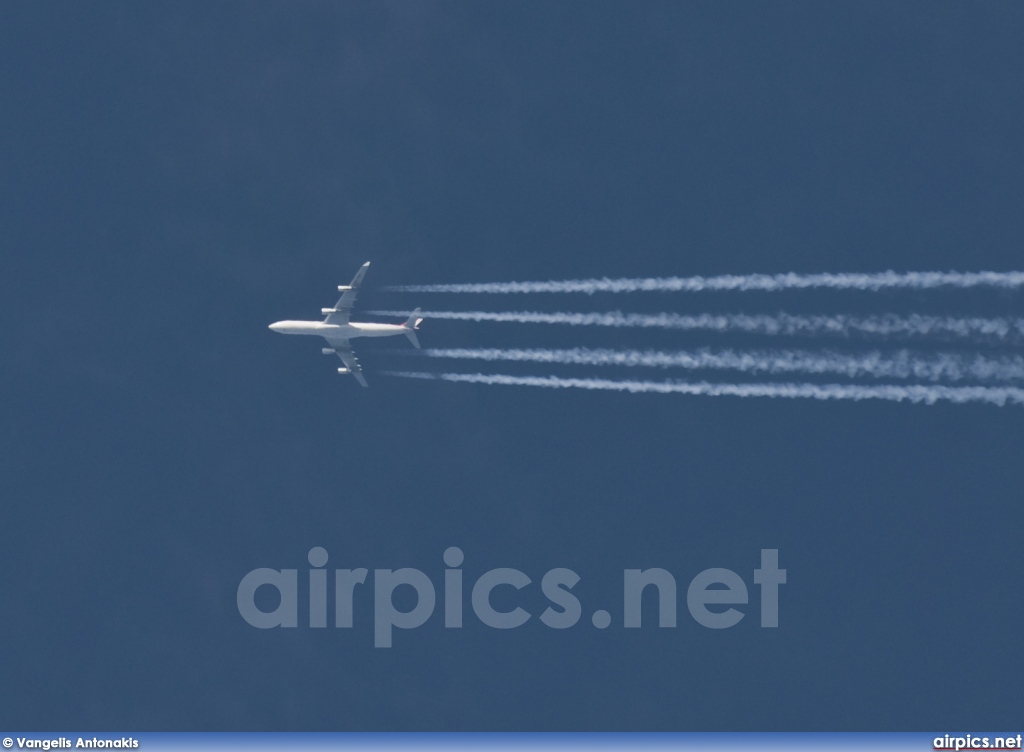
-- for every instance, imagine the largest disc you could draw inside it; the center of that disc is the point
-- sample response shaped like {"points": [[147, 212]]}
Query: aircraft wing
{"points": [[343, 350], [343, 308]]}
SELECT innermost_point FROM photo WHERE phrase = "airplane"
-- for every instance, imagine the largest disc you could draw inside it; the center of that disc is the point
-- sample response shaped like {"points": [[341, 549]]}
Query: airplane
{"points": [[338, 330]]}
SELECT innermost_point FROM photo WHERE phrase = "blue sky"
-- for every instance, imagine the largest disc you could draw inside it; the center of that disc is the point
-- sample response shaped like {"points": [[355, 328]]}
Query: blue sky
{"points": [[177, 176]]}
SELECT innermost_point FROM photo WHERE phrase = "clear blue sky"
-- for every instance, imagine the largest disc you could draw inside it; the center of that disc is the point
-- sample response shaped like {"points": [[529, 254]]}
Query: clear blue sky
{"points": [[176, 176]]}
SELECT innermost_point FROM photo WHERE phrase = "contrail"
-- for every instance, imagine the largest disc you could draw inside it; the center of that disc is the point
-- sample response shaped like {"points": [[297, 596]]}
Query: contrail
{"points": [[888, 325], [913, 393], [902, 364], [765, 282]]}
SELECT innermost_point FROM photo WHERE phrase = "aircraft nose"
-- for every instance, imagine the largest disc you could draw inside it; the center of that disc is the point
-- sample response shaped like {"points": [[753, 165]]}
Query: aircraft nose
{"points": [[275, 327]]}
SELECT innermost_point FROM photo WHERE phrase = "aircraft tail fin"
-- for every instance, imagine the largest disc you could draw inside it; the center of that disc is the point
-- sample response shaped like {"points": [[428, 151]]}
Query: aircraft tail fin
{"points": [[414, 320], [411, 326]]}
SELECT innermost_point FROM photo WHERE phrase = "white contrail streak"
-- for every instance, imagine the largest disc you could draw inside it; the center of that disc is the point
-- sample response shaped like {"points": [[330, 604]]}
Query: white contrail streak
{"points": [[900, 365], [765, 282], [913, 393], [914, 325]]}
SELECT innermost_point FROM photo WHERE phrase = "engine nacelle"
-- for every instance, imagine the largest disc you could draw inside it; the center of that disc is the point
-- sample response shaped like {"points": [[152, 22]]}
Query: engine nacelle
{"points": [[327, 350], [328, 311], [343, 371], [344, 288]]}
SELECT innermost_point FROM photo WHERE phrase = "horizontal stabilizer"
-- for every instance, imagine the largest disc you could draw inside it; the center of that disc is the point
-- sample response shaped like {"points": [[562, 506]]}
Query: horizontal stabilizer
{"points": [[411, 325]]}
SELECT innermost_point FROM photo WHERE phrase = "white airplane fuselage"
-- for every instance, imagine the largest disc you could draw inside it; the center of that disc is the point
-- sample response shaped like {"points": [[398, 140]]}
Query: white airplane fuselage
{"points": [[350, 330]]}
